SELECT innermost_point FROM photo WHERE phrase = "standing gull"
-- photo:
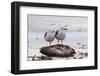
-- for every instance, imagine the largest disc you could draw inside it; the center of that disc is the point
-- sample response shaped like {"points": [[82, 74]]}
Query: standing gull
{"points": [[60, 34], [49, 36]]}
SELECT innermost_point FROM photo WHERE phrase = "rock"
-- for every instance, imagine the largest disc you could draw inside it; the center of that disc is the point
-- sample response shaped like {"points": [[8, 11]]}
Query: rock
{"points": [[74, 57], [36, 58], [58, 50], [85, 54], [80, 58]]}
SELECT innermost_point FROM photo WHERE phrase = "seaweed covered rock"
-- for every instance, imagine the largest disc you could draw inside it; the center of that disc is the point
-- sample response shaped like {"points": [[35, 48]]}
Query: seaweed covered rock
{"points": [[58, 51]]}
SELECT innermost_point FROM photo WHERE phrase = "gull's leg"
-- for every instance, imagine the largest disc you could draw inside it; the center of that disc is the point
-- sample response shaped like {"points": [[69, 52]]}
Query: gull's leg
{"points": [[49, 43]]}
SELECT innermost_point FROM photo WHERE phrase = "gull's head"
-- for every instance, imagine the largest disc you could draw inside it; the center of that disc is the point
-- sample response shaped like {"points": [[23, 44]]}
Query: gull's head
{"points": [[63, 28]]}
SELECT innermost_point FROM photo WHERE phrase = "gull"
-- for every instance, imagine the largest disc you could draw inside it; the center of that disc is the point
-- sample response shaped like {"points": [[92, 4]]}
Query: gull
{"points": [[49, 36], [60, 34]]}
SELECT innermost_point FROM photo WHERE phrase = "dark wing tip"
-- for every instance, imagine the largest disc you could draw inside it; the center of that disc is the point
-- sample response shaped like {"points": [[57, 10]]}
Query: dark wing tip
{"points": [[56, 32], [45, 34]]}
